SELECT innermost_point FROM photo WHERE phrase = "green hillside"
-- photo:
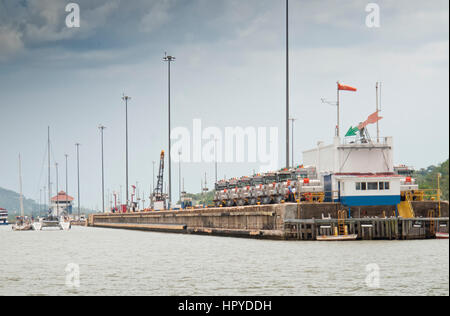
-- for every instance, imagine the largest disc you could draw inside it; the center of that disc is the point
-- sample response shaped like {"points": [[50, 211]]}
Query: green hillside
{"points": [[427, 178], [10, 200]]}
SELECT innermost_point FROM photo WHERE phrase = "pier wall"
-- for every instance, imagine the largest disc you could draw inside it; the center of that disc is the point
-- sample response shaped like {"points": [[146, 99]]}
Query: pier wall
{"points": [[284, 221]]}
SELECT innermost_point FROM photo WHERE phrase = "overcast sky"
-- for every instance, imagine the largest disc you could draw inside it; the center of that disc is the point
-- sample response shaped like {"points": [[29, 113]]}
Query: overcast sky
{"points": [[229, 72]]}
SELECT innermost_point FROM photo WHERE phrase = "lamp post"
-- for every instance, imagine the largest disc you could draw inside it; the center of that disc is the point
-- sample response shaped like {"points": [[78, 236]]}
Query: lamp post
{"points": [[102, 128], [126, 99], [78, 176], [292, 126], [287, 83], [169, 59], [67, 184], [153, 187], [439, 192], [57, 193], [179, 172], [215, 162]]}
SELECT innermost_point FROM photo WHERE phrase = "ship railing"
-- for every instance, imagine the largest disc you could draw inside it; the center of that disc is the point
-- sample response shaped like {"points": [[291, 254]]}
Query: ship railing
{"points": [[359, 140]]}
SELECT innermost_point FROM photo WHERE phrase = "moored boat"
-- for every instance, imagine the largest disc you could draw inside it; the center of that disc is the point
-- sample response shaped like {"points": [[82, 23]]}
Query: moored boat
{"points": [[337, 238], [441, 235], [3, 216], [22, 224]]}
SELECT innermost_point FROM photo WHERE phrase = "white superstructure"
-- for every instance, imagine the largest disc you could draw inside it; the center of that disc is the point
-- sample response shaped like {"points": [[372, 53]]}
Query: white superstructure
{"points": [[352, 156]]}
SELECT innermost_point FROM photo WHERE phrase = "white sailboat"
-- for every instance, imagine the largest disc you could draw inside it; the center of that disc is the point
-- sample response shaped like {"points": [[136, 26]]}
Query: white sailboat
{"points": [[22, 223], [59, 221]]}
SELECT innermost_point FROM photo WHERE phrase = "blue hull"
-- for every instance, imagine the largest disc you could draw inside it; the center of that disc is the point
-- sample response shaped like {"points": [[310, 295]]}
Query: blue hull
{"points": [[378, 200]]}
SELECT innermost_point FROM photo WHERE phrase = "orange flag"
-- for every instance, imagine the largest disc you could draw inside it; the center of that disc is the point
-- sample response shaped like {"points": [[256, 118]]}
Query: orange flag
{"points": [[342, 87]]}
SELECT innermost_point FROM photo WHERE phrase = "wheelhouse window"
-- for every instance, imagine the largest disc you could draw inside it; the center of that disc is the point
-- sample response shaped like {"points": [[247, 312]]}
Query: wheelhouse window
{"points": [[372, 186]]}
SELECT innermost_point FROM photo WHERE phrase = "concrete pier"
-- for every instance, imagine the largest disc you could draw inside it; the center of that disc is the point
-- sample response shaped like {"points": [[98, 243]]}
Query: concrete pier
{"points": [[304, 221]]}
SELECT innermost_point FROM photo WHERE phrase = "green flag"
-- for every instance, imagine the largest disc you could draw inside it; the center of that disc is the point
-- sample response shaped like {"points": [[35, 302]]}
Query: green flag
{"points": [[352, 131]]}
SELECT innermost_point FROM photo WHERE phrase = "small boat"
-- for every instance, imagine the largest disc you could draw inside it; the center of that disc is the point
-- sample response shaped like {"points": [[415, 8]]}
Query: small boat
{"points": [[337, 238], [441, 235], [22, 224], [63, 224]]}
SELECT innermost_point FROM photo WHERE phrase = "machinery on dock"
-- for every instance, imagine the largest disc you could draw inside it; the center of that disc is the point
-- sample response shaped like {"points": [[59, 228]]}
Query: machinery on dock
{"points": [[409, 188], [159, 197], [289, 185]]}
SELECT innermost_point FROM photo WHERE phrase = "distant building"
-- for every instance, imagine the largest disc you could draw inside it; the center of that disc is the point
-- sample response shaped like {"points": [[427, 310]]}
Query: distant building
{"points": [[61, 204]]}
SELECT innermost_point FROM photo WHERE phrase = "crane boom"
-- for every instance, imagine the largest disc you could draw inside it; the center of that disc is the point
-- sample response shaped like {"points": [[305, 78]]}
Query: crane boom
{"points": [[159, 193]]}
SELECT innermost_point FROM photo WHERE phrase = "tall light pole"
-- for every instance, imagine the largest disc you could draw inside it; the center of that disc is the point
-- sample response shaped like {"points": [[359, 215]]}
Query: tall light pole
{"points": [[215, 162], [439, 175], [49, 171], [67, 183], [169, 60], [153, 187], [126, 99], [57, 192], [292, 126], [78, 176], [287, 83], [179, 172], [102, 128]]}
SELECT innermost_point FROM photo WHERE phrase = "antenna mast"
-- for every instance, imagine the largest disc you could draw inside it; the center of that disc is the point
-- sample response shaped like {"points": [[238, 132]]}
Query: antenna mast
{"points": [[20, 184]]}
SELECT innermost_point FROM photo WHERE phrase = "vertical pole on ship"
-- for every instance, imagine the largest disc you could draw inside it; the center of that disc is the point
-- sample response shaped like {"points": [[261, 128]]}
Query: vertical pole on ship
{"points": [[338, 129], [378, 122], [21, 192]]}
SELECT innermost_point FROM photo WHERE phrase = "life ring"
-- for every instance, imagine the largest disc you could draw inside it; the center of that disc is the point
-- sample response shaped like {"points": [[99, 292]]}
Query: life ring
{"points": [[308, 196]]}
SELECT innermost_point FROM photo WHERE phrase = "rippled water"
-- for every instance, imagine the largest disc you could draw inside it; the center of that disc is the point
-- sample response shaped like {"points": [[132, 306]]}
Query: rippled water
{"points": [[120, 262]]}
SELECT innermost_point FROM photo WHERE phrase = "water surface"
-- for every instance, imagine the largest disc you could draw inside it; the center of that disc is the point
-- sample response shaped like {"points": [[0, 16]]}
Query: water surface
{"points": [[121, 262]]}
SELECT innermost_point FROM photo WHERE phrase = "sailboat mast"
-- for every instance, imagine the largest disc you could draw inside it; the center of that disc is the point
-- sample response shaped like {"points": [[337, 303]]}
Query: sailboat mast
{"points": [[20, 184], [49, 175]]}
